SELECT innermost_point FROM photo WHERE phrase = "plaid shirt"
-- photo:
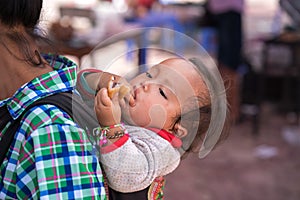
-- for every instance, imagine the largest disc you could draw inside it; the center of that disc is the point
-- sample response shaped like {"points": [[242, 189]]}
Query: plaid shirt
{"points": [[50, 156]]}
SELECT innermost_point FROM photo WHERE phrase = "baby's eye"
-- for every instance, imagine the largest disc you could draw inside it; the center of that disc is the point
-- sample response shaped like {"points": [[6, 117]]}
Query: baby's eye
{"points": [[162, 93], [148, 75]]}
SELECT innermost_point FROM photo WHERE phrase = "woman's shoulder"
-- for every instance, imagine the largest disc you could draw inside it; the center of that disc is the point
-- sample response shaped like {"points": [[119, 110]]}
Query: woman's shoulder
{"points": [[45, 115]]}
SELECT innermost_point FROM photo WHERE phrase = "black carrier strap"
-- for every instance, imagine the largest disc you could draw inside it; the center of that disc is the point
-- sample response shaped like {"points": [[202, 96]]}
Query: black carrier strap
{"points": [[70, 103], [7, 138], [139, 195]]}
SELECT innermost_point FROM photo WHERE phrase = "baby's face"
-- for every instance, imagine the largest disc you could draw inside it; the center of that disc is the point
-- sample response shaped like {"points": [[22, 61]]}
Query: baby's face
{"points": [[162, 94]]}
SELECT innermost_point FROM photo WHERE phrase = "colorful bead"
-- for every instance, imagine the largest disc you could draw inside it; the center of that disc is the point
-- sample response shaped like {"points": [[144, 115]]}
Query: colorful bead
{"points": [[102, 133]]}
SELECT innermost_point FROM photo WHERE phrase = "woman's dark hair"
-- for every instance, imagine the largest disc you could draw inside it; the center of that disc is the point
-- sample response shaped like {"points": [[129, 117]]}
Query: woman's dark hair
{"points": [[26, 14], [20, 12]]}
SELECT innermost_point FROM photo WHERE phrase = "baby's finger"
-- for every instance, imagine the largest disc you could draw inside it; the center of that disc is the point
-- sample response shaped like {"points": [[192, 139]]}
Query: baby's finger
{"points": [[102, 98], [115, 98], [122, 102]]}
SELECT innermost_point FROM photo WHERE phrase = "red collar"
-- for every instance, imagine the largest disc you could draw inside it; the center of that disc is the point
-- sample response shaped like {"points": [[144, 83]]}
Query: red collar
{"points": [[175, 141]]}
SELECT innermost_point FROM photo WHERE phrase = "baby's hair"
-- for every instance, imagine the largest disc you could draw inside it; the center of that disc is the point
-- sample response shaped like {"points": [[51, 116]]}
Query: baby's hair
{"points": [[201, 123], [209, 123]]}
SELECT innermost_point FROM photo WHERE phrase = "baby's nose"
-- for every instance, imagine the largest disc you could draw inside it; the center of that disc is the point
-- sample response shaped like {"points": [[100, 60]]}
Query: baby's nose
{"points": [[145, 86]]}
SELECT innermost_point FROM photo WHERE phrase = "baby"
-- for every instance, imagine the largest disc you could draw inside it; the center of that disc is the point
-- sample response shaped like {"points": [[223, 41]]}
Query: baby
{"points": [[144, 135]]}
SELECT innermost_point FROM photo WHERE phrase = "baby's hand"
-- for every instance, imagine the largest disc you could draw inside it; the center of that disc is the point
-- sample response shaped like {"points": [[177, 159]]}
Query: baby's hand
{"points": [[122, 88], [108, 110]]}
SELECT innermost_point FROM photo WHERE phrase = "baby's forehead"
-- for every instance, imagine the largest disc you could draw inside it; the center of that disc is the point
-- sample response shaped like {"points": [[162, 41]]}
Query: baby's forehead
{"points": [[176, 63], [177, 68], [183, 79], [170, 77], [181, 70]]}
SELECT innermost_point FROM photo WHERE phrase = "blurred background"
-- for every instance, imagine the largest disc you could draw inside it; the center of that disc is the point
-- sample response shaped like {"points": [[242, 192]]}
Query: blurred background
{"points": [[260, 158]]}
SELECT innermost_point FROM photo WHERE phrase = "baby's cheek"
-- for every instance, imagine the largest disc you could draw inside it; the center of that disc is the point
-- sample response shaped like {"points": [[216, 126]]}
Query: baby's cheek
{"points": [[154, 116], [137, 116], [157, 116]]}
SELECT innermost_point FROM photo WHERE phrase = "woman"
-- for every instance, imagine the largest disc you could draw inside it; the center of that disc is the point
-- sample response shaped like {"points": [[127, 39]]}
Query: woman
{"points": [[49, 157]]}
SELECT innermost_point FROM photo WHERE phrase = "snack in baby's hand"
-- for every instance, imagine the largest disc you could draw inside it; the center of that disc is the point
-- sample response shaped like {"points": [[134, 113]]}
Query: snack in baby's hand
{"points": [[114, 87]]}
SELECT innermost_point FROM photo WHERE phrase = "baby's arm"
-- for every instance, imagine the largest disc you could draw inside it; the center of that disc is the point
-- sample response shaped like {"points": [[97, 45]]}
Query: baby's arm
{"points": [[132, 163], [92, 80]]}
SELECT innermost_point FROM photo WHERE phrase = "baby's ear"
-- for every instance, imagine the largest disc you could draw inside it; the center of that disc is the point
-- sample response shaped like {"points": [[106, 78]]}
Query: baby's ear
{"points": [[180, 131]]}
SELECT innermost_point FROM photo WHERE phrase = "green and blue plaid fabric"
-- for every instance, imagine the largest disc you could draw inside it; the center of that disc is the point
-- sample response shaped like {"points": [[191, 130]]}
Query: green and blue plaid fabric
{"points": [[50, 157]]}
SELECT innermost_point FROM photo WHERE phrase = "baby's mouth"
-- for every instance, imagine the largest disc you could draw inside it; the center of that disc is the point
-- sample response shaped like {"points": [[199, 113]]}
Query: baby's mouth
{"points": [[132, 98]]}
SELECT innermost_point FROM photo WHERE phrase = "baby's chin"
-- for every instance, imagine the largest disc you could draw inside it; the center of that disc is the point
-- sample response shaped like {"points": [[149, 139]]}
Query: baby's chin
{"points": [[127, 119], [145, 123], [154, 118], [131, 101]]}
